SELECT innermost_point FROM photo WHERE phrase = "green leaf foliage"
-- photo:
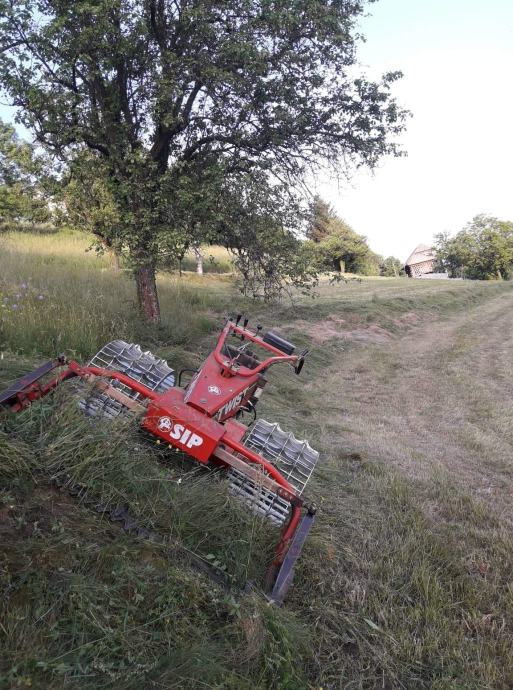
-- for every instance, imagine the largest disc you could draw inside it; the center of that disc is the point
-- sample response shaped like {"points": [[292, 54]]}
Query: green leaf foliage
{"points": [[22, 199], [259, 224], [335, 245], [391, 267], [172, 95], [483, 250]]}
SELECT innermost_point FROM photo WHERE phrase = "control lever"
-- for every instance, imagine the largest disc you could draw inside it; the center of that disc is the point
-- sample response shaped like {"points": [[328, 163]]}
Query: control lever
{"points": [[300, 362]]}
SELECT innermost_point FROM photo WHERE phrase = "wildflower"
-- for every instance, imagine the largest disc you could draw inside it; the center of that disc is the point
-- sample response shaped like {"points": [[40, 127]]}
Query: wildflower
{"points": [[40, 297], [24, 286], [14, 306]]}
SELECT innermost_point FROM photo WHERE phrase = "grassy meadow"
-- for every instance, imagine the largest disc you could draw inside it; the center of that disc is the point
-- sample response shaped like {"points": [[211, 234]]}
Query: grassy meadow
{"points": [[405, 581]]}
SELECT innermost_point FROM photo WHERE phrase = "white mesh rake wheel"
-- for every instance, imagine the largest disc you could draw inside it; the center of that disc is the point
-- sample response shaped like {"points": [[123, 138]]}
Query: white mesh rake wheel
{"points": [[294, 459], [128, 358]]}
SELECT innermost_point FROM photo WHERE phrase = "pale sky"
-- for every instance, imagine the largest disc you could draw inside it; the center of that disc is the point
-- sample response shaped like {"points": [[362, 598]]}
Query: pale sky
{"points": [[457, 60]]}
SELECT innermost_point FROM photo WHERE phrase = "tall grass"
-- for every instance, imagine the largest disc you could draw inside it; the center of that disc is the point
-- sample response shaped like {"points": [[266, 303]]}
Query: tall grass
{"points": [[55, 296], [405, 581]]}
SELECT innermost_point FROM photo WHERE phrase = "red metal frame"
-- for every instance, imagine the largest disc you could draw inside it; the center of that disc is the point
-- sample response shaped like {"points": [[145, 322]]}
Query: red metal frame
{"points": [[240, 370], [198, 419]]}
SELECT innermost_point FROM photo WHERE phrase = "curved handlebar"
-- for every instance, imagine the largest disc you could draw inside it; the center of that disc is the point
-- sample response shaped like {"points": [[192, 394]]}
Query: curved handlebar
{"points": [[253, 337]]}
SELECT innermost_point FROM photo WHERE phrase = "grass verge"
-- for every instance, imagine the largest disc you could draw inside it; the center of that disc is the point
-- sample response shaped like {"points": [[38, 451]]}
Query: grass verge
{"points": [[405, 581]]}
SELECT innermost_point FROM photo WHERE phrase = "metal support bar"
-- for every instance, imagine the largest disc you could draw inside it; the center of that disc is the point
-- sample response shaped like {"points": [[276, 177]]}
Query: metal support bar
{"points": [[22, 384], [116, 394], [257, 475], [286, 572]]}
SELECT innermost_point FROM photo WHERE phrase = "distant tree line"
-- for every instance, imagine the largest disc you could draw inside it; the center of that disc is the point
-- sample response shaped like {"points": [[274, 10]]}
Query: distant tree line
{"points": [[251, 221], [482, 250], [335, 246]]}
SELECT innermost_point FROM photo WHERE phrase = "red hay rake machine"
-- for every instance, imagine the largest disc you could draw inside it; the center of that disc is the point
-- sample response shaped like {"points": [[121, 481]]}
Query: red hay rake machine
{"points": [[265, 466]]}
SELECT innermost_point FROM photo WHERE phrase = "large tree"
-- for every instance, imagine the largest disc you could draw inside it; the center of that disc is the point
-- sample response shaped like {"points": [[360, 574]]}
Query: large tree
{"points": [[157, 87], [483, 250], [335, 245], [320, 219]]}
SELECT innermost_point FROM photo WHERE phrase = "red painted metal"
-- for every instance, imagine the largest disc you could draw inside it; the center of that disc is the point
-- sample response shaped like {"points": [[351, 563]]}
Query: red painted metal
{"points": [[84, 372], [215, 394], [197, 420], [287, 535], [234, 429], [18, 398], [240, 370], [252, 457], [182, 426]]}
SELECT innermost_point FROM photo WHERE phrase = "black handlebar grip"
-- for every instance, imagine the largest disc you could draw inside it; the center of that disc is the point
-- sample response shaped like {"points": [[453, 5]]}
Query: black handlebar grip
{"points": [[279, 343]]}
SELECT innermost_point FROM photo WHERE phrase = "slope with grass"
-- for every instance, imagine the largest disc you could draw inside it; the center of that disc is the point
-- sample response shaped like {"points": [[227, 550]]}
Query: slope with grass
{"points": [[405, 581]]}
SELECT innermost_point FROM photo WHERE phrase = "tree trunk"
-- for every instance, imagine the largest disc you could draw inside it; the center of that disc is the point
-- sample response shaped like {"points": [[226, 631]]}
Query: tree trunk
{"points": [[199, 260], [147, 294]]}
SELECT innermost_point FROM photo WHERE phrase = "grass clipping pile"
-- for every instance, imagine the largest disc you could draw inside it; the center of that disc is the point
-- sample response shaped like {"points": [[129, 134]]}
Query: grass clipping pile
{"points": [[86, 603]]}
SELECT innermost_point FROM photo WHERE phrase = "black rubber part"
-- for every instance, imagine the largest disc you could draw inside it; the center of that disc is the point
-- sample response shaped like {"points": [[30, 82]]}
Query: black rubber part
{"points": [[279, 343]]}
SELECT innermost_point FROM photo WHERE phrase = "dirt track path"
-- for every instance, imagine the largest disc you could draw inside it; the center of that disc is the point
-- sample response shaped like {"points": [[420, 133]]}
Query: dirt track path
{"points": [[437, 403]]}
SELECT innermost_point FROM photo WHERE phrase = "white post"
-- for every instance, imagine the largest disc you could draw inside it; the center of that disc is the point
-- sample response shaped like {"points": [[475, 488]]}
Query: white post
{"points": [[199, 260]]}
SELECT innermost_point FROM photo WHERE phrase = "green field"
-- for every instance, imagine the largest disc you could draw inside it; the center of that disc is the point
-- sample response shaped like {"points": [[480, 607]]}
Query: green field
{"points": [[405, 581]]}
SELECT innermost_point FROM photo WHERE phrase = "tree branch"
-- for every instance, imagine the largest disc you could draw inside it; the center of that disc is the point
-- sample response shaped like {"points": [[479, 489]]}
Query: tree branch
{"points": [[164, 135]]}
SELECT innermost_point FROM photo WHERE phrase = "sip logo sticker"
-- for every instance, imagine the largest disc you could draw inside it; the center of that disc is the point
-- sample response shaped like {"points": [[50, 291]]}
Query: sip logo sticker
{"points": [[179, 433], [164, 424]]}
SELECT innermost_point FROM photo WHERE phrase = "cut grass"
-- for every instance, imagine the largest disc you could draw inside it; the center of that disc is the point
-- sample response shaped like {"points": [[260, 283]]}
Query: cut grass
{"points": [[83, 602], [405, 581]]}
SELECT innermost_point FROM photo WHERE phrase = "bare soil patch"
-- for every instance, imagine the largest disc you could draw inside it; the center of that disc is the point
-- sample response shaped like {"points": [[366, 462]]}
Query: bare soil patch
{"points": [[351, 327], [408, 319]]}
